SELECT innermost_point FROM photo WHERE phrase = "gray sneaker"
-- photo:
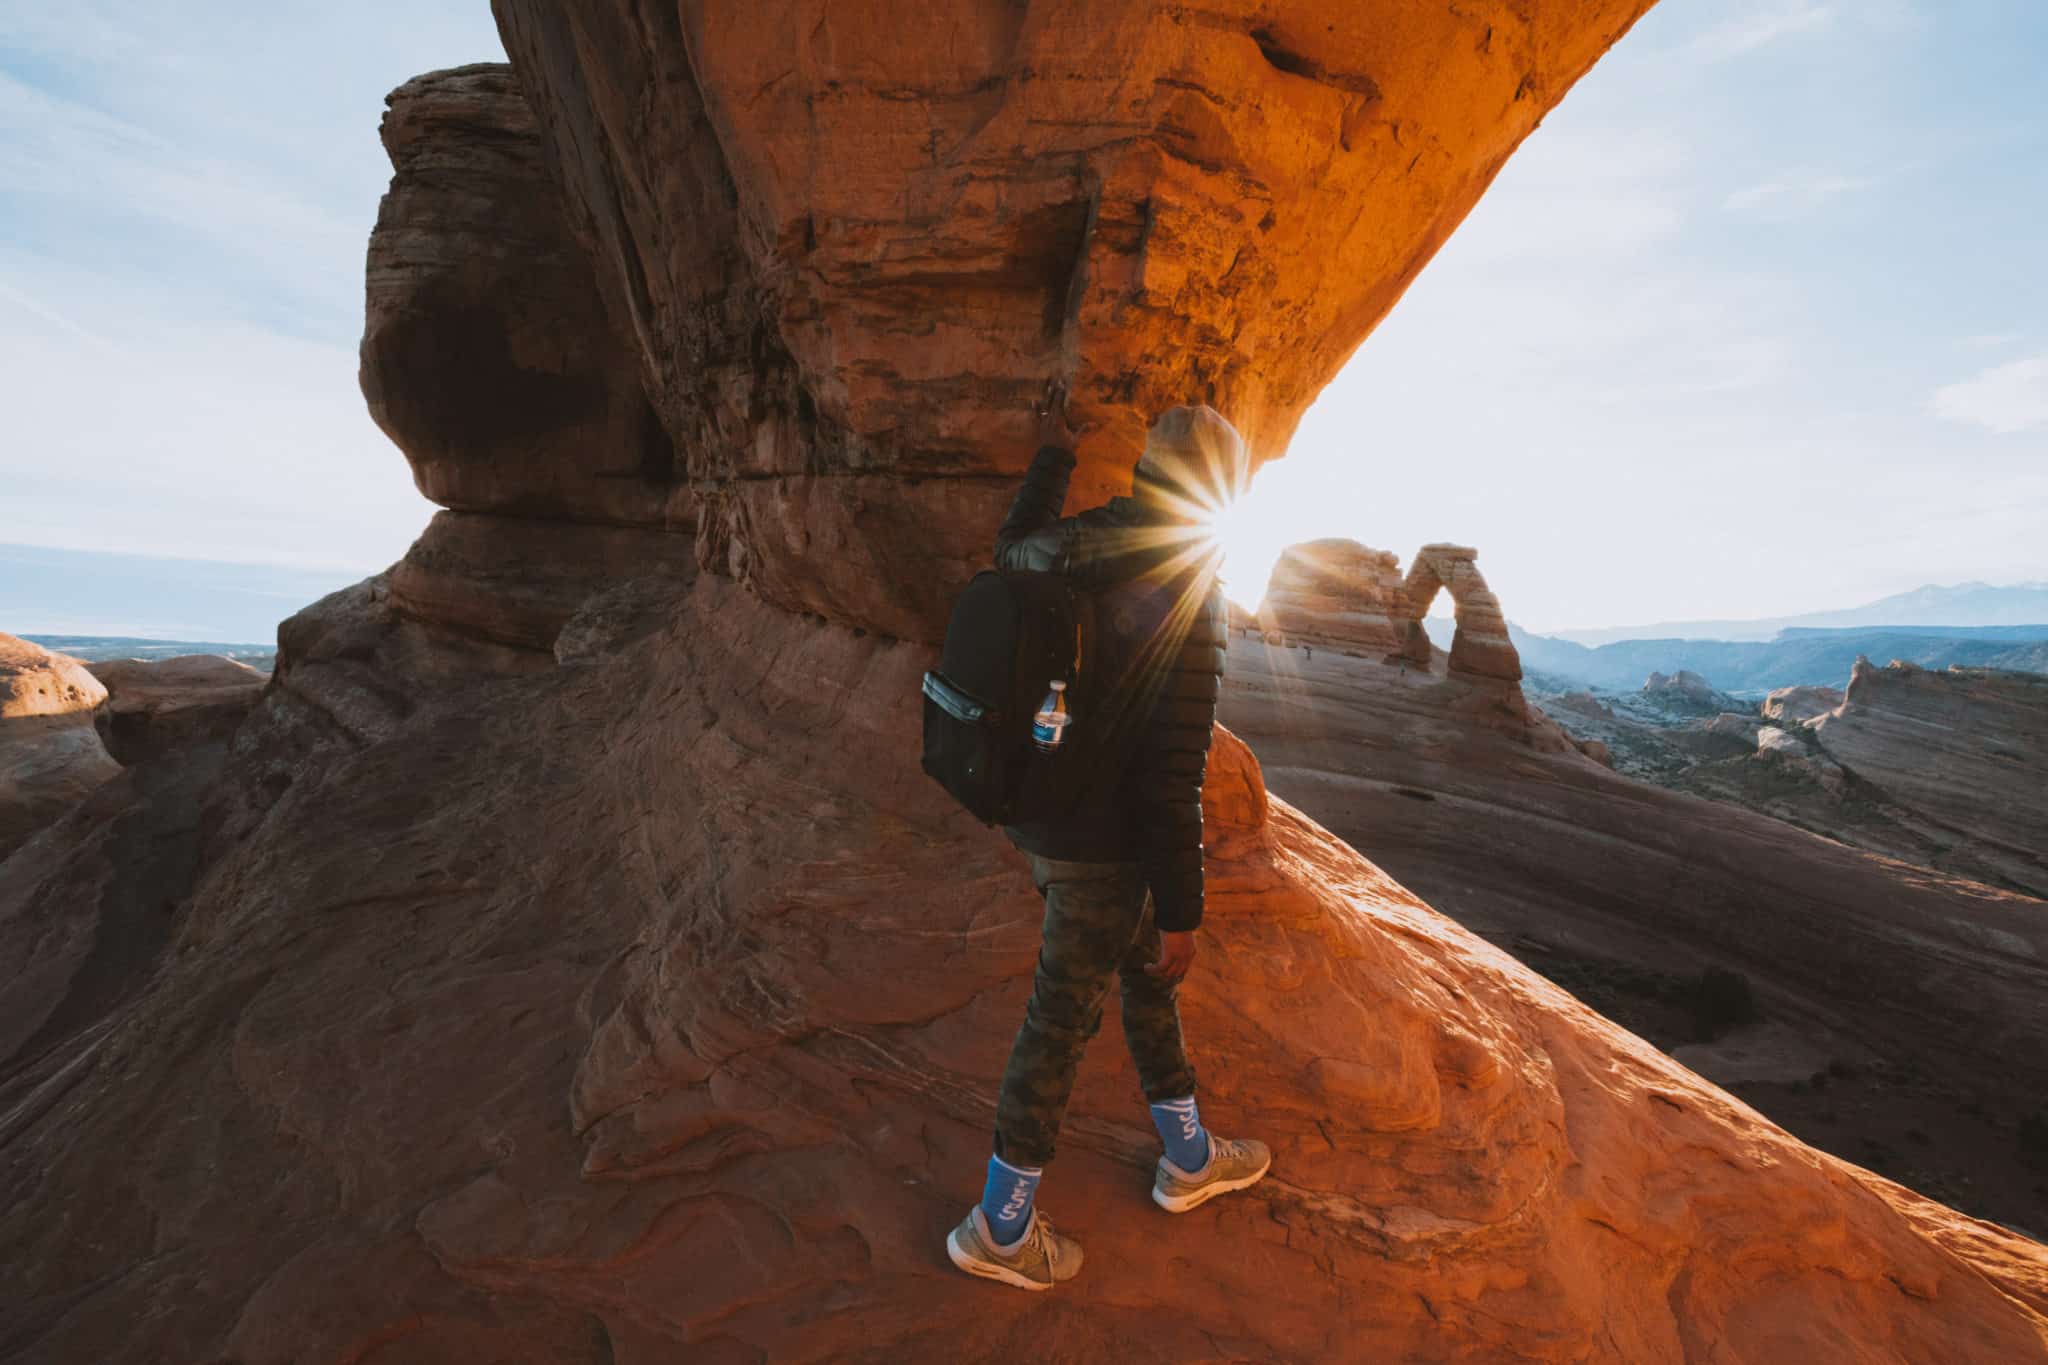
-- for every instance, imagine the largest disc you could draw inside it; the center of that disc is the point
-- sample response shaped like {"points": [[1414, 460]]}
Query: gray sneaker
{"points": [[1039, 1261], [1234, 1164]]}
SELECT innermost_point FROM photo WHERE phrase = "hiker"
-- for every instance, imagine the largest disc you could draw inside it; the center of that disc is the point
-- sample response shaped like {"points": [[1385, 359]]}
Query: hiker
{"points": [[1121, 874]]}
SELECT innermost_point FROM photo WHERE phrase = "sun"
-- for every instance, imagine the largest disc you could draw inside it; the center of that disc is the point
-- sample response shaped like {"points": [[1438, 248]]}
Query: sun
{"points": [[1252, 532]]}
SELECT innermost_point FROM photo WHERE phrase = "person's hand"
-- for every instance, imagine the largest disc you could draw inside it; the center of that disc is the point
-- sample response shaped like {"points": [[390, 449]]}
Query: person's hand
{"points": [[1053, 428], [1176, 955]]}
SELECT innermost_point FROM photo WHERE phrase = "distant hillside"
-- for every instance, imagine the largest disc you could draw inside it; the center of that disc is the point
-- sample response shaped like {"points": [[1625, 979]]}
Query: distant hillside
{"points": [[1964, 605], [1809, 656]]}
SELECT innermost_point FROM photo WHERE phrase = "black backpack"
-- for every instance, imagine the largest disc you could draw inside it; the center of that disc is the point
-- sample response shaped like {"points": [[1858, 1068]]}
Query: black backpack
{"points": [[1010, 636]]}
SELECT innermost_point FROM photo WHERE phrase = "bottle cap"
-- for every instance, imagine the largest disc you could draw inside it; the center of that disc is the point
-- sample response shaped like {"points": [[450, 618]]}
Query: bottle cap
{"points": [[1058, 685]]}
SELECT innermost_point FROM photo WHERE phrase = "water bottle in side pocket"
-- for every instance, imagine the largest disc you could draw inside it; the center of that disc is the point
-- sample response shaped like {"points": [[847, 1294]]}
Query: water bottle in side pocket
{"points": [[1049, 726]]}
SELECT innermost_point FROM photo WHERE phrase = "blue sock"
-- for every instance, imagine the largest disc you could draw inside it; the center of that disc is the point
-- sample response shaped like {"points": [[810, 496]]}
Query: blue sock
{"points": [[1006, 1198], [1180, 1127]]}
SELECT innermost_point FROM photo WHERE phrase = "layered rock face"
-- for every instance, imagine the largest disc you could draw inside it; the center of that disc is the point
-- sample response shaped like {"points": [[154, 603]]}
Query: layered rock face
{"points": [[153, 707], [488, 354], [1338, 595], [50, 755], [499, 361], [852, 253], [550, 1028], [1481, 646], [1343, 596], [1894, 1001], [1960, 756], [86, 909]]}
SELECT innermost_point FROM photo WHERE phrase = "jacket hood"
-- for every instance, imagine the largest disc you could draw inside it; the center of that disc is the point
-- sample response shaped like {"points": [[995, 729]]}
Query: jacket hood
{"points": [[1194, 463]]}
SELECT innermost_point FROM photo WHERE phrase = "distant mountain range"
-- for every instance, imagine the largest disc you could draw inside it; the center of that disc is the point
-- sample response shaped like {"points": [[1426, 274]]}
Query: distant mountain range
{"points": [[1805, 655], [1964, 604]]}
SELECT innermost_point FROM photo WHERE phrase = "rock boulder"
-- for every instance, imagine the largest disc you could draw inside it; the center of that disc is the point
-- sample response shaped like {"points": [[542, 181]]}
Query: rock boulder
{"points": [[155, 706], [50, 755], [489, 353], [1795, 704], [1339, 595]]}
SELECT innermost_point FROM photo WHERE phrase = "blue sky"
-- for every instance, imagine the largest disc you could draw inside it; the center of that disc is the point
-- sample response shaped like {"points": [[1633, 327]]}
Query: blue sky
{"points": [[1756, 324]]}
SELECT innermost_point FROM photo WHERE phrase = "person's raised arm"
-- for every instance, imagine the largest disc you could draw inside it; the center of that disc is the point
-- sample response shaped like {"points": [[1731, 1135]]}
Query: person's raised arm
{"points": [[1033, 538]]}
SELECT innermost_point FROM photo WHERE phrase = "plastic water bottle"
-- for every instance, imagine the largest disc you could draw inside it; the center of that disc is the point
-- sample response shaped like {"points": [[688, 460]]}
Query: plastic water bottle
{"points": [[1050, 724]]}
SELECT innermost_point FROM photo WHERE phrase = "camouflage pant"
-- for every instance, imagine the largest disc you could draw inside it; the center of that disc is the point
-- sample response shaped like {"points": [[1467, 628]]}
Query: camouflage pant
{"points": [[1098, 923]]}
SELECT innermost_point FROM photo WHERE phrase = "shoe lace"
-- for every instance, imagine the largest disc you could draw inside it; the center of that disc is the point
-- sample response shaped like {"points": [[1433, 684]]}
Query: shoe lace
{"points": [[1047, 1242]]}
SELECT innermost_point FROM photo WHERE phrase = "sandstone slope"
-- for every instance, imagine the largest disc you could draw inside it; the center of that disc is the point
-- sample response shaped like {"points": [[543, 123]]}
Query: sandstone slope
{"points": [[1943, 769], [628, 1021], [1913, 996], [1960, 756]]}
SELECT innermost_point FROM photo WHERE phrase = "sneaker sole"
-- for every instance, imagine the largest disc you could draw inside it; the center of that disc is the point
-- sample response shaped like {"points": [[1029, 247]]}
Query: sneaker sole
{"points": [[1182, 1203], [988, 1270]]}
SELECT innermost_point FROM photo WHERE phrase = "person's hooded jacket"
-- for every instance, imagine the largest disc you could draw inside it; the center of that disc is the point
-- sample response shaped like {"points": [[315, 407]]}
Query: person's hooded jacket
{"points": [[1162, 632]]}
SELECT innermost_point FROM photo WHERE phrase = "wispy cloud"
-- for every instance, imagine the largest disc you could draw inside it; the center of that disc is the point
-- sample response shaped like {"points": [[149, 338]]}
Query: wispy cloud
{"points": [[1794, 194], [2005, 398], [68, 157], [185, 196], [1759, 27]]}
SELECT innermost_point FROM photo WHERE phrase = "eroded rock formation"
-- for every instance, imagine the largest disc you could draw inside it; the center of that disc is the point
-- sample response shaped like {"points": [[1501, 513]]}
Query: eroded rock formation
{"points": [[1891, 1045], [636, 997], [1687, 693], [1959, 756], [50, 755], [1795, 704], [1343, 596], [86, 909], [153, 707], [489, 355], [1338, 595], [852, 255], [1481, 646], [499, 361]]}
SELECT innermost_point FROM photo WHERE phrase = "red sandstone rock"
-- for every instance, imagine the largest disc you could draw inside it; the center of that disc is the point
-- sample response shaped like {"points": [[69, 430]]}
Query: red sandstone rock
{"points": [[488, 355], [852, 252], [155, 706], [515, 581], [85, 909], [50, 756], [1481, 646], [639, 999], [1932, 983], [1337, 594], [1960, 755], [1343, 596], [587, 1041]]}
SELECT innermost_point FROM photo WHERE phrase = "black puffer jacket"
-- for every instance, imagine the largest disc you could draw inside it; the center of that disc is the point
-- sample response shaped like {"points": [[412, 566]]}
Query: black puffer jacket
{"points": [[1161, 636]]}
